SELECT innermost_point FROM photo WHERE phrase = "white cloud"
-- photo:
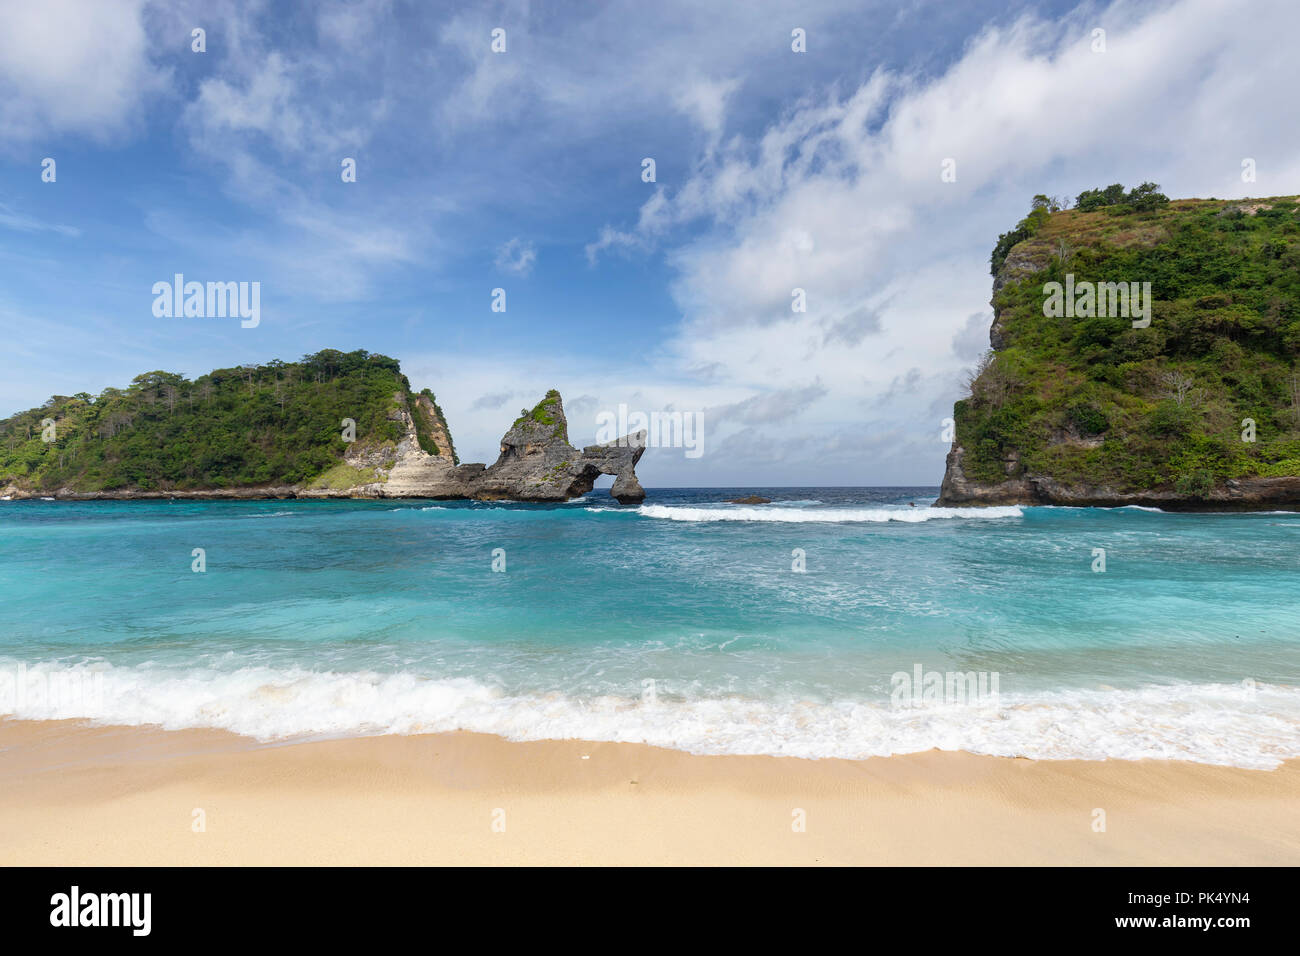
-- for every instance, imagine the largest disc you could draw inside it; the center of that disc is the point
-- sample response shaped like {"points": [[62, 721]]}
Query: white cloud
{"points": [[705, 101], [573, 76], [768, 408], [780, 177], [843, 198], [74, 67], [276, 123], [516, 257], [972, 339], [261, 101]]}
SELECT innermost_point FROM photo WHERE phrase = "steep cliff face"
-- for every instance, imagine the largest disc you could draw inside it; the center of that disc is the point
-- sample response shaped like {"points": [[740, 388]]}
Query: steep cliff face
{"points": [[536, 463], [336, 425], [1085, 405], [1234, 494]]}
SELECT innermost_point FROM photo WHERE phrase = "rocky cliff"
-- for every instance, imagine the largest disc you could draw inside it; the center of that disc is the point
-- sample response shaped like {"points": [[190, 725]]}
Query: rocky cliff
{"points": [[1080, 404], [334, 425], [1233, 494], [536, 463]]}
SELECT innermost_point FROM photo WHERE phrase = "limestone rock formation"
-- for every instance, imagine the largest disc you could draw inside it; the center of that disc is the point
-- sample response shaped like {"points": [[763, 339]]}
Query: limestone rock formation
{"points": [[1236, 494], [536, 463], [1072, 410]]}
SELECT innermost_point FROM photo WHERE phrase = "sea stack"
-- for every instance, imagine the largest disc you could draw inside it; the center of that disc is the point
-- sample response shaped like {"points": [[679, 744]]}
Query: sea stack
{"points": [[537, 463]]}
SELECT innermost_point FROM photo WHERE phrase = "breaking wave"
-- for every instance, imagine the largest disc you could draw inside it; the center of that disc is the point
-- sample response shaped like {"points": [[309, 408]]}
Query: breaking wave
{"points": [[833, 515], [1226, 724]]}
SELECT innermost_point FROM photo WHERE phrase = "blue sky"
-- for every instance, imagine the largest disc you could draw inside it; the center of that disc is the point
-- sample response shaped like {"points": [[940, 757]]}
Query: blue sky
{"points": [[522, 170]]}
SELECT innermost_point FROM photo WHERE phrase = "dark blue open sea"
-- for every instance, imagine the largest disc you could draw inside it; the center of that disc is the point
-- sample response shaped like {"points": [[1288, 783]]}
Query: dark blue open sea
{"points": [[685, 622]]}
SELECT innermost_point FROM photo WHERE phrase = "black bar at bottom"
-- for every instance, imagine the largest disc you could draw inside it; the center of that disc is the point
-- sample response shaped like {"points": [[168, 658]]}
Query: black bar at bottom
{"points": [[947, 907]]}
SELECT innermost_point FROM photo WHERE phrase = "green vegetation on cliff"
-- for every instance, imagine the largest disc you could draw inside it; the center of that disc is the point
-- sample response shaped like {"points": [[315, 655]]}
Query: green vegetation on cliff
{"points": [[278, 423], [1144, 198], [1091, 400], [549, 411], [424, 426]]}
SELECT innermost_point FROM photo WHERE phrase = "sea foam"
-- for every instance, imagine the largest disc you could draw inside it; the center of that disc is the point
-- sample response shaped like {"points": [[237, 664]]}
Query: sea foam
{"points": [[1227, 724], [833, 515]]}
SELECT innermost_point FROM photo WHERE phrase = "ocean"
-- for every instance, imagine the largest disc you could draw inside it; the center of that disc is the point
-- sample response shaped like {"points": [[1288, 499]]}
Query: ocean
{"points": [[834, 622]]}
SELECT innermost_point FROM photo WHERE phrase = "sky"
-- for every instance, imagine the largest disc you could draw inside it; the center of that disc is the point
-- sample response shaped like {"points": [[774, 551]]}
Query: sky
{"points": [[523, 170]]}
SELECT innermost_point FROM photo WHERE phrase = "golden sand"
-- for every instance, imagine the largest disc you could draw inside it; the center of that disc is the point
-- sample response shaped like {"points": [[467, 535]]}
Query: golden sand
{"points": [[77, 794]]}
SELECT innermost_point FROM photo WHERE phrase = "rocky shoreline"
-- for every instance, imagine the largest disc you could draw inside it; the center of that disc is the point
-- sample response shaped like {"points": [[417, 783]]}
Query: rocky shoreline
{"points": [[1244, 494], [536, 464], [1027, 487]]}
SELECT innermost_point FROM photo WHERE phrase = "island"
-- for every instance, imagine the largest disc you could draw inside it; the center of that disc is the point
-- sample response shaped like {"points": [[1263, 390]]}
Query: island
{"points": [[333, 425], [1143, 352]]}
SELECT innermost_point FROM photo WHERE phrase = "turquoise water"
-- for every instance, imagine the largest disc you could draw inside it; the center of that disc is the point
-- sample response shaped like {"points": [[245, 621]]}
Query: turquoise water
{"points": [[682, 623]]}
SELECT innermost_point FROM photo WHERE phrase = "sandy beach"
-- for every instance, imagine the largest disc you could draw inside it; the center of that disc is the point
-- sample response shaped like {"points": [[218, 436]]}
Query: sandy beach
{"points": [[76, 794]]}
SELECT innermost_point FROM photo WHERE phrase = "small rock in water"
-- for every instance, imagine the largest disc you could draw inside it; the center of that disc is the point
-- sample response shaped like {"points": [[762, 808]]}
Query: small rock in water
{"points": [[750, 500]]}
